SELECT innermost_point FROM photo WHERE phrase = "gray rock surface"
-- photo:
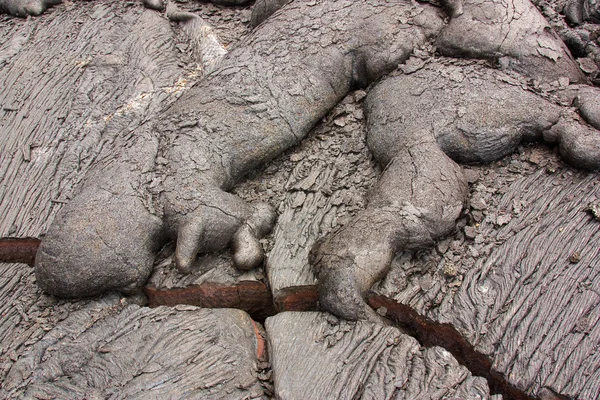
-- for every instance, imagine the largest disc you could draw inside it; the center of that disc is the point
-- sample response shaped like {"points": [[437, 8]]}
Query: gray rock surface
{"points": [[515, 34], [318, 184], [415, 121], [68, 111], [24, 8], [177, 188], [264, 8], [110, 349], [519, 280], [93, 85], [317, 356], [265, 97], [588, 100], [475, 113], [580, 11]]}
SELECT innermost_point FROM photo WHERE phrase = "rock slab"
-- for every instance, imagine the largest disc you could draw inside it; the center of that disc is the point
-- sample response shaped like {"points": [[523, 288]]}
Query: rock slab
{"points": [[316, 356], [111, 349]]}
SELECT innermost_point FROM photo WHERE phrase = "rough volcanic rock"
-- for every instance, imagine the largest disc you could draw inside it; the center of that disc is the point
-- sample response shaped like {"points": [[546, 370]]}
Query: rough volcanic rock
{"points": [[418, 122], [516, 34], [323, 183], [109, 349], [73, 83], [264, 8], [24, 8], [361, 360], [172, 176], [71, 93], [521, 288]]}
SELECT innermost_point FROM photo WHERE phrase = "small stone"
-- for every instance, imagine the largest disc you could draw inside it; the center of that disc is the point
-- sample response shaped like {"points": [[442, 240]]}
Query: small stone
{"points": [[358, 114], [563, 81], [450, 270], [442, 246], [477, 215], [359, 95], [470, 232], [413, 64], [517, 207], [575, 257], [594, 209], [456, 283], [188, 123], [185, 307], [472, 175], [479, 239], [265, 376], [382, 311], [340, 122], [587, 65], [298, 199], [264, 365], [456, 244], [296, 157], [477, 203], [503, 219], [474, 252], [536, 157]]}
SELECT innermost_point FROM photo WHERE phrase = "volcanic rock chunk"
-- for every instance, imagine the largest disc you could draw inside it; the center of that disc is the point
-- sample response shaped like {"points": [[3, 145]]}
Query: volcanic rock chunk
{"points": [[588, 100], [325, 180], [129, 351], [476, 114], [23, 8], [514, 33], [72, 87], [73, 84], [580, 11], [361, 360]]}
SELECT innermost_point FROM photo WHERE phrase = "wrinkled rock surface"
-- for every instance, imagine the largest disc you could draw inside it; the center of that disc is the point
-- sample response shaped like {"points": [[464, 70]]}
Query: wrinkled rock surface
{"points": [[521, 286], [111, 349], [361, 360]]}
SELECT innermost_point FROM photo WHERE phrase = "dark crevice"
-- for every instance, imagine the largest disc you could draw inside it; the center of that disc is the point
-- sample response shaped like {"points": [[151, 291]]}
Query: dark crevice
{"points": [[297, 298], [430, 333], [252, 297], [13, 250]]}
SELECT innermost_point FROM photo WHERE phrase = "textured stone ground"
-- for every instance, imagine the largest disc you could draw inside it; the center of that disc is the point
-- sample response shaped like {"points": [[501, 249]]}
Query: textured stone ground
{"points": [[517, 281]]}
